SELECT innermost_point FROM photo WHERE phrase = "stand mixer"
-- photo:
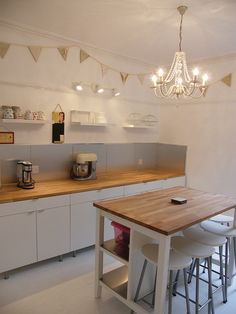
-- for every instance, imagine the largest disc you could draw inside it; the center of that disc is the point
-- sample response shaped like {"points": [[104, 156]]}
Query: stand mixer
{"points": [[84, 168]]}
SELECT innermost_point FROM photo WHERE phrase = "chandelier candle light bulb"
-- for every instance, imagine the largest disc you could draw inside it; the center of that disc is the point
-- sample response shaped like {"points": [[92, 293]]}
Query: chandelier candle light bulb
{"points": [[177, 82]]}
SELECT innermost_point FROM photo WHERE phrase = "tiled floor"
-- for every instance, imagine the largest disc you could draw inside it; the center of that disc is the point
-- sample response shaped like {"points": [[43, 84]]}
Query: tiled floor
{"points": [[52, 287]]}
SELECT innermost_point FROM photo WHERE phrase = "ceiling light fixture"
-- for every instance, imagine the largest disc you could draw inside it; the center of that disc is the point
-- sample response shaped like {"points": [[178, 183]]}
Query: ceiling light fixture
{"points": [[177, 82]]}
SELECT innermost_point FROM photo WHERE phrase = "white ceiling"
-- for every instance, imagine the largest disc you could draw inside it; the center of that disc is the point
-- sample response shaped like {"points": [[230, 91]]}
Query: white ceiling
{"points": [[142, 29]]}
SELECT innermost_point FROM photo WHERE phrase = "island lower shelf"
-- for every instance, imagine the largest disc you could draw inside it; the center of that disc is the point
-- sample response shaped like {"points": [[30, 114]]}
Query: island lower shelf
{"points": [[117, 280]]}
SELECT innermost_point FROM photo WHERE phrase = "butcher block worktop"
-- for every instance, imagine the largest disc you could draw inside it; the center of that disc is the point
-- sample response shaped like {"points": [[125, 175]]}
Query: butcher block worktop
{"points": [[108, 179], [155, 211]]}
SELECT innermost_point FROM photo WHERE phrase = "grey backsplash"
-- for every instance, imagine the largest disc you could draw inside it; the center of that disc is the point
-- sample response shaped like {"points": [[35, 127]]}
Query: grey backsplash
{"points": [[55, 160]]}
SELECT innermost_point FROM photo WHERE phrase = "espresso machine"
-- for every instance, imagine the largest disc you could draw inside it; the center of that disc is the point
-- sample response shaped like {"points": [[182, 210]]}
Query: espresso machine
{"points": [[24, 175], [84, 167]]}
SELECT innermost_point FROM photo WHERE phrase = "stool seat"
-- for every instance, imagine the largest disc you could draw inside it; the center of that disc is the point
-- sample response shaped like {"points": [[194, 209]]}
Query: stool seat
{"points": [[222, 218], [176, 260], [191, 248], [196, 233], [218, 229]]}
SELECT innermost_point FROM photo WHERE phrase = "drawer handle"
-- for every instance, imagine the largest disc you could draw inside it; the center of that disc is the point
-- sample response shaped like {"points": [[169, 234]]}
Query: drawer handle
{"points": [[41, 210], [31, 212]]}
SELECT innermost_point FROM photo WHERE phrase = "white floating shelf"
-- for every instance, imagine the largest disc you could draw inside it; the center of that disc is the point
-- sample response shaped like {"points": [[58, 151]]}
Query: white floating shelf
{"points": [[132, 126], [90, 124], [22, 121]]}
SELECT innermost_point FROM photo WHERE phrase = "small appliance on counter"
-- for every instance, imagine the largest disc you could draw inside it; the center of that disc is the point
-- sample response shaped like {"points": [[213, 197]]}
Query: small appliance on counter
{"points": [[24, 175], [84, 168]]}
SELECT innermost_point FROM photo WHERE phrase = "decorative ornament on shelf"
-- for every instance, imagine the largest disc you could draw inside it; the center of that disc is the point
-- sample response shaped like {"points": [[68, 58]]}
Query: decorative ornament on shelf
{"points": [[178, 82]]}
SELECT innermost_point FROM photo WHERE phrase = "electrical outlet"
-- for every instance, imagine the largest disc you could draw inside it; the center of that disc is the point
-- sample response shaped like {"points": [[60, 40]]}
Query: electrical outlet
{"points": [[140, 161], [35, 169]]}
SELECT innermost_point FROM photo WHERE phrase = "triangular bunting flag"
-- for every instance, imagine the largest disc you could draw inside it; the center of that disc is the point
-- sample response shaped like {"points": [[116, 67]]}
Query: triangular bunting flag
{"points": [[83, 55], [141, 78], [3, 49], [63, 52], [227, 79], [124, 77], [35, 52], [104, 69]]}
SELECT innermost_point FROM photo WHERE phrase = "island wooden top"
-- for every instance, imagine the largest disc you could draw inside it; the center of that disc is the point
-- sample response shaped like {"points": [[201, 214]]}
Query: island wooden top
{"points": [[108, 179], [155, 211]]}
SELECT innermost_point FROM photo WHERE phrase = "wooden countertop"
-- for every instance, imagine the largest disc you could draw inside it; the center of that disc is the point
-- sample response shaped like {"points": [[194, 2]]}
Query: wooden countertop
{"points": [[11, 193], [155, 211]]}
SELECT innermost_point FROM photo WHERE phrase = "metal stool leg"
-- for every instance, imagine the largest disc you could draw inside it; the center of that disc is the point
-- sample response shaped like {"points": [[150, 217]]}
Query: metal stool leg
{"points": [[154, 292], [210, 294], [226, 269], [176, 283], [197, 287], [221, 272], [193, 265], [140, 283], [186, 291]]}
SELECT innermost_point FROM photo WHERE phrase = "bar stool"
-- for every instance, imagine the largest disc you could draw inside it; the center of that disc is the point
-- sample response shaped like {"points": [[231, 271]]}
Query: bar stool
{"points": [[222, 219], [177, 261], [230, 234], [197, 251], [196, 233]]}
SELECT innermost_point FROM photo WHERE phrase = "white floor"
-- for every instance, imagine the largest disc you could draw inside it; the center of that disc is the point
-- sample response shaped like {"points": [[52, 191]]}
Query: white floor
{"points": [[67, 287]]}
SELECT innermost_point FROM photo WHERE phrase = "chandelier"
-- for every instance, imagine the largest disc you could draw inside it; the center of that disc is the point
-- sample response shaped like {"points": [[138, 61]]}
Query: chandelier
{"points": [[177, 82]]}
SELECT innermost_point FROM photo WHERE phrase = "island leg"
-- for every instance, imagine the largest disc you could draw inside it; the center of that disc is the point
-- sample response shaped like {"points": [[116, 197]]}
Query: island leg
{"points": [[98, 252], [162, 274]]}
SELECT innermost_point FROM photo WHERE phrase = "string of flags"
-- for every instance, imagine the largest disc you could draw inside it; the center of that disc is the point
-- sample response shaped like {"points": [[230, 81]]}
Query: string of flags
{"points": [[35, 52]]}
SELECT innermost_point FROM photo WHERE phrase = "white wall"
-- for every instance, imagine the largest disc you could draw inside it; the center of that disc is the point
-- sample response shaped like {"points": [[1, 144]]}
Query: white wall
{"points": [[208, 127], [52, 72]]}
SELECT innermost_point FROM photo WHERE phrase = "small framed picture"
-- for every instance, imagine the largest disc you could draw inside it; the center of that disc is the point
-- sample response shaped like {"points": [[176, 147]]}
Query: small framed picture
{"points": [[6, 137]]}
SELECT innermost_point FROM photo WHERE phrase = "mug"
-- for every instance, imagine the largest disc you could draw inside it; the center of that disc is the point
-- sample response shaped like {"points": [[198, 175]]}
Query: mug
{"points": [[28, 115], [8, 114], [41, 115]]}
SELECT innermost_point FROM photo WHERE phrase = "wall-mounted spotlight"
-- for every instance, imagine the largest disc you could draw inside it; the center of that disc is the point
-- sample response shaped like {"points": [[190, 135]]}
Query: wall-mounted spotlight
{"points": [[115, 92], [97, 89], [78, 86]]}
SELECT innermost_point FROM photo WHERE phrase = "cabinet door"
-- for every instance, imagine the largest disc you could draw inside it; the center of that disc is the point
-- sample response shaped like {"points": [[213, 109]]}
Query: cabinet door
{"points": [[17, 240], [53, 232], [177, 181], [83, 225]]}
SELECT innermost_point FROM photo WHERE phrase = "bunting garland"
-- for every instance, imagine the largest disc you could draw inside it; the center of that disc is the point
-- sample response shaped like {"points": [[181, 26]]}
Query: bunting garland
{"points": [[104, 69], [3, 49], [35, 51], [227, 79], [63, 52], [124, 77], [83, 55], [141, 78]]}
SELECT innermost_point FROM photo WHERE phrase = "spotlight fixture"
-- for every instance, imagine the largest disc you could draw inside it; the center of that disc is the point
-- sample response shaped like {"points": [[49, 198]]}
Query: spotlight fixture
{"points": [[178, 82], [115, 93], [100, 90], [78, 86]]}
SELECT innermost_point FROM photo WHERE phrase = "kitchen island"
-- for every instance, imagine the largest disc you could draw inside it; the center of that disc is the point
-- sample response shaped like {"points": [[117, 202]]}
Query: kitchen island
{"points": [[151, 217]]}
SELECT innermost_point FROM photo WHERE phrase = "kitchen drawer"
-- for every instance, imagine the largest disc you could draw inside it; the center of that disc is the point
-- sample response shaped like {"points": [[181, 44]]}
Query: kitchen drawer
{"points": [[154, 185], [16, 207], [111, 193], [52, 202], [177, 181], [134, 189], [82, 197]]}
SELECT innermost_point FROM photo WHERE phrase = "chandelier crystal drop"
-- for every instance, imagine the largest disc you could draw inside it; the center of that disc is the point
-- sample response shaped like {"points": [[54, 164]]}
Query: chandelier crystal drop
{"points": [[177, 82]]}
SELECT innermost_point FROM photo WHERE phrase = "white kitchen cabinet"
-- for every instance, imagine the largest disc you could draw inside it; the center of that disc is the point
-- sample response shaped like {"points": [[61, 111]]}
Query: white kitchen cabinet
{"points": [[53, 226], [171, 182], [83, 225], [53, 232], [134, 189], [17, 235]]}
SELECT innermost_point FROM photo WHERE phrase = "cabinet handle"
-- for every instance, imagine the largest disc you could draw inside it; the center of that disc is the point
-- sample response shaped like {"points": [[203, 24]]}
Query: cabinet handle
{"points": [[31, 212], [41, 210]]}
